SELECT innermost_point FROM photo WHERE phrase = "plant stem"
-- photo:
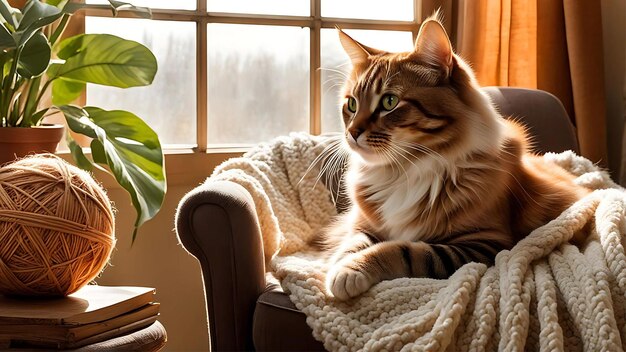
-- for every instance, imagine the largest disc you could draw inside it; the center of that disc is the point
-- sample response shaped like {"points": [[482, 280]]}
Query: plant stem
{"points": [[31, 102], [42, 91], [60, 29], [9, 86]]}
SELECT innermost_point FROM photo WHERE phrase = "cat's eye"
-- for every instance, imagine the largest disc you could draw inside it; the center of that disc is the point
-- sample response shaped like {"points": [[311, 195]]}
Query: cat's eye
{"points": [[351, 104], [389, 101]]}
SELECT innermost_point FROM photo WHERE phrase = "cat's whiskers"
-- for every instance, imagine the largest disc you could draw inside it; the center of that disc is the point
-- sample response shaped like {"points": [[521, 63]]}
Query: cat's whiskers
{"points": [[338, 163], [397, 162], [423, 149], [394, 161], [331, 147], [329, 165], [343, 74], [420, 146], [342, 190], [328, 89], [400, 151]]}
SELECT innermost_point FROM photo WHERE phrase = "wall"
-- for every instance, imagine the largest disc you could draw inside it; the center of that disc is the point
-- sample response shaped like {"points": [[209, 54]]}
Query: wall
{"points": [[157, 260]]}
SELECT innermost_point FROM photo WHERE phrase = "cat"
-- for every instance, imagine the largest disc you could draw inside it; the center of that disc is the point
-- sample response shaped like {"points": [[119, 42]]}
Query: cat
{"points": [[436, 177]]}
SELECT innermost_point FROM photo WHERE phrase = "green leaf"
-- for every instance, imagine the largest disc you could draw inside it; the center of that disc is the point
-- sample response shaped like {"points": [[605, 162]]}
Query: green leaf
{"points": [[116, 6], [54, 2], [37, 117], [78, 120], [31, 102], [36, 15], [125, 6], [65, 91], [78, 155], [106, 59], [35, 56], [14, 118], [6, 39], [71, 7], [131, 150], [7, 13]]}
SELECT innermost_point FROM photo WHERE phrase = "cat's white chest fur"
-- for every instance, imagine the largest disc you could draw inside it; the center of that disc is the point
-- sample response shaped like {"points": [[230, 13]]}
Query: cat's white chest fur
{"points": [[400, 196]]}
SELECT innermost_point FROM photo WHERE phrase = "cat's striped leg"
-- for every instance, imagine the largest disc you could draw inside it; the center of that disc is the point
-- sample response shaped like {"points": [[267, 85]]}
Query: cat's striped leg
{"points": [[357, 272]]}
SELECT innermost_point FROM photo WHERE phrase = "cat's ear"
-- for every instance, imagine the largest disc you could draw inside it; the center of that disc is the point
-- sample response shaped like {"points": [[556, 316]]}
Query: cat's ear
{"points": [[433, 44], [357, 52]]}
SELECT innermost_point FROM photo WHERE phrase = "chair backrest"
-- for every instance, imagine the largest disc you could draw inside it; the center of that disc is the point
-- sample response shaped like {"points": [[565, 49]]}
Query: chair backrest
{"points": [[541, 112]]}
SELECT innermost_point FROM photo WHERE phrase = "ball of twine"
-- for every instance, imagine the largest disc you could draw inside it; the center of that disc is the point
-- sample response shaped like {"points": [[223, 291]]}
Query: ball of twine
{"points": [[56, 227]]}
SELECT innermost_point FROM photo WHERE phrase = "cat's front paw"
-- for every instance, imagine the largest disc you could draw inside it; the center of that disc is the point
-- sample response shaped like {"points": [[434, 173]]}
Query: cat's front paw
{"points": [[345, 282]]}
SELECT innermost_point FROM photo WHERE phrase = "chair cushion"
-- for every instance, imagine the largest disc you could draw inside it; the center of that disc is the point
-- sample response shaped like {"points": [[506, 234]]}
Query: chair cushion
{"points": [[278, 325]]}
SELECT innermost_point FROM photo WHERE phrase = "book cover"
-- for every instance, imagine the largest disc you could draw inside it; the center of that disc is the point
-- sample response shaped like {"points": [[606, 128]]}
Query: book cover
{"points": [[90, 304], [101, 337], [73, 333]]}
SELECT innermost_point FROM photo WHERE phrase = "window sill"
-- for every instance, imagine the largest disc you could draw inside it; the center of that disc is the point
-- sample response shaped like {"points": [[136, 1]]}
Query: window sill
{"points": [[183, 166]]}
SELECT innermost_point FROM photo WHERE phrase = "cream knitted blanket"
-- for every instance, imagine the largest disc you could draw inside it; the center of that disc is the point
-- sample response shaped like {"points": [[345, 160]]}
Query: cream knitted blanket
{"points": [[544, 294]]}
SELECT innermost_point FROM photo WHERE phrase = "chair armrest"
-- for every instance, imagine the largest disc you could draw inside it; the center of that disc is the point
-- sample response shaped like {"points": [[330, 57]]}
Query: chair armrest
{"points": [[217, 223]]}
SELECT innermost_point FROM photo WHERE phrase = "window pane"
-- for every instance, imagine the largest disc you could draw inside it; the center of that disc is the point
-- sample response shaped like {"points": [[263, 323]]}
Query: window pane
{"points": [[334, 59], [270, 7], [169, 104], [156, 4], [258, 82], [399, 10]]}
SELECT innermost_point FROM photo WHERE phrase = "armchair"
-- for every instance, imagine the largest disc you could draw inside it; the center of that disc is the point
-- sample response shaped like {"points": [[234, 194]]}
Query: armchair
{"points": [[216, 223]]}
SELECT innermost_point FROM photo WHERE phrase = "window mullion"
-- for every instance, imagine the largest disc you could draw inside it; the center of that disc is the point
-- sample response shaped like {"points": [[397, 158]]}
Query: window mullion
{"points": [[315, 100], [202, 95], [417, 17]]}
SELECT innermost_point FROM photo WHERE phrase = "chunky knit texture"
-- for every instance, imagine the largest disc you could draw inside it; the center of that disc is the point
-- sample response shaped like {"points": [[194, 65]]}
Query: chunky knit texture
{"points": [[544, 294]]}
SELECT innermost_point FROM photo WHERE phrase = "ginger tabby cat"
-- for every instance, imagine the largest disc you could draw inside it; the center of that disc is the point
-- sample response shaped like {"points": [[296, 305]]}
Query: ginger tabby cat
{"points": [[437, 178]]}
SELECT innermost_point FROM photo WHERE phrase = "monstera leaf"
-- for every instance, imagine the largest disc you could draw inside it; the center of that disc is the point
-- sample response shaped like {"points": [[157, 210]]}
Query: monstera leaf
{"points": [[110, 61], [131, 150]]}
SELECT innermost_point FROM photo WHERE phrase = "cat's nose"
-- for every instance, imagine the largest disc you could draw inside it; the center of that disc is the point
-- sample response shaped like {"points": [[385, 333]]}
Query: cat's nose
{"points": [[356, 132]]}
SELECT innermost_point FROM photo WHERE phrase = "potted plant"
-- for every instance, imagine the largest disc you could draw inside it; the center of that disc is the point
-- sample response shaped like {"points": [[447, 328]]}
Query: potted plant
{"points": [[34, 61]]}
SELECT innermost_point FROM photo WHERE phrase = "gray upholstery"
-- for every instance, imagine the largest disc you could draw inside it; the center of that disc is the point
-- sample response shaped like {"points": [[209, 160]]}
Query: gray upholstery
{"points": [[541, 112], [217, 224]]}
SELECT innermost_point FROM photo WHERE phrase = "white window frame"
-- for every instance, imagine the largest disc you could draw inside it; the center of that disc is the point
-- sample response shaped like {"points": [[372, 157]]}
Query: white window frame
{"points": [[315, 23]]}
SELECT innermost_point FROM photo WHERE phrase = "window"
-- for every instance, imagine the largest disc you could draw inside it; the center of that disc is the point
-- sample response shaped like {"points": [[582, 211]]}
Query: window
{"points": [[237, 72]]}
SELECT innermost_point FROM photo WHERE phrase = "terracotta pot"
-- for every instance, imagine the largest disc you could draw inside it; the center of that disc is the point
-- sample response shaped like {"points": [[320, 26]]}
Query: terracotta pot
{"points": [[18, 4], [16, 142]]}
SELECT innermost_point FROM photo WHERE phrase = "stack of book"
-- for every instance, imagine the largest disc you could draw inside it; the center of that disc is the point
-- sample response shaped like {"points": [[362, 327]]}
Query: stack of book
{"points": [[90, 315]]}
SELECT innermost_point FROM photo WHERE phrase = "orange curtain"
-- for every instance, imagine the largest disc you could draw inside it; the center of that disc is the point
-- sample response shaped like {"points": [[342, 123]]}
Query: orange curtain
{"points": [[553, 45]]}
